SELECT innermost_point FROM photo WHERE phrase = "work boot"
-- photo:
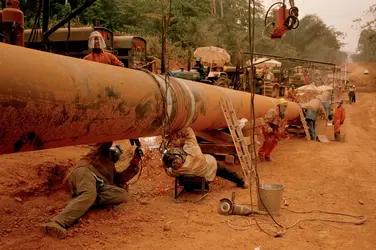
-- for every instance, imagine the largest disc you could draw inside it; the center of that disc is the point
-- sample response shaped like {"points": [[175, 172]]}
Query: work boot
{"points": [[54, 229], [230, 176], [242, 184], [261, 157], [267, 158]]}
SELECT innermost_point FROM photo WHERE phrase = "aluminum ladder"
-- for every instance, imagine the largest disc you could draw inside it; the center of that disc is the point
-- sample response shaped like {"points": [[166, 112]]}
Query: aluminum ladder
{"points": [[304, 123], [237, 137]]}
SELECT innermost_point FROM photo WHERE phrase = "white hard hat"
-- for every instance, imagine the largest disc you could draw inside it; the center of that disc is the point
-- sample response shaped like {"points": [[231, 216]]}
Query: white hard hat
{"points": [[93, 35]]}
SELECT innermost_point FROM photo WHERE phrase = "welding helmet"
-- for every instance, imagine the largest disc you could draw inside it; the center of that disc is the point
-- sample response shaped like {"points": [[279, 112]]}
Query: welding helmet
{"points": [[174, 158], [282, 102], [95, 35], [116, 151]]}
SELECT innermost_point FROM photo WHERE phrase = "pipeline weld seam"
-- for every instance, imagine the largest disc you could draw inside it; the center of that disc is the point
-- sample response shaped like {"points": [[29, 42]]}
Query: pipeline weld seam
{"points": [[162, 84], [193, 102]]}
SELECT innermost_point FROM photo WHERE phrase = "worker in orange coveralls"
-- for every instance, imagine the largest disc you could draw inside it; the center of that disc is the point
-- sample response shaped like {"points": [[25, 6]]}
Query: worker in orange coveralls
{"points": [[339, 118], [97, 45], [273, 130], [306, 79]]}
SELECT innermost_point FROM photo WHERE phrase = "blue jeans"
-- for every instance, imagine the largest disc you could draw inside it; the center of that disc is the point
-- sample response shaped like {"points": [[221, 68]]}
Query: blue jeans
{"points": [[312, 128]]}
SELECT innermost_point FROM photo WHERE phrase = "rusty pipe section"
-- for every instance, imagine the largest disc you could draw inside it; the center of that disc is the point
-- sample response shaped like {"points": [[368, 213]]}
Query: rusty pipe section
{"points": [[49, 101]]}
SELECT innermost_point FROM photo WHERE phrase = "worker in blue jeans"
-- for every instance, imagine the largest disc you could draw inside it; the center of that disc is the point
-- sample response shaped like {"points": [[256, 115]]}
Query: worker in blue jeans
{"points": [[311, 118]]}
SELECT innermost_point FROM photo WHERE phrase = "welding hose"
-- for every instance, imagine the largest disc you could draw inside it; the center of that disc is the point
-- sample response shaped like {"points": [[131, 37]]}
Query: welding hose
{"points": [[267, 14]]}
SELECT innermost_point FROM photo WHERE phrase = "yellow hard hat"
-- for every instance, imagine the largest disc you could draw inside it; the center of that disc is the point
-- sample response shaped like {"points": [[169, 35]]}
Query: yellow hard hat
{"points": [[282, 101]]}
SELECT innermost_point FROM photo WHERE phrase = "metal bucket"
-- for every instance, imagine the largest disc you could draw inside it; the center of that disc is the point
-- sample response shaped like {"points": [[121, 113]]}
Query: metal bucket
{"points": [[271, 195], [340, 138]]}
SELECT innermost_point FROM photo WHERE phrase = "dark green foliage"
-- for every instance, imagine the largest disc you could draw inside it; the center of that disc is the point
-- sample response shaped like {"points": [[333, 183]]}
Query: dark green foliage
{"points": [[194, 24]]}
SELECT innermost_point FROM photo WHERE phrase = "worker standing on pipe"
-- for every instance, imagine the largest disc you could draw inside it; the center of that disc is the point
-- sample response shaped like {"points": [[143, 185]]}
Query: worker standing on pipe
{"points": [[187, 158], [339, 118], [274, 129], [97, 45], [92, 183]]}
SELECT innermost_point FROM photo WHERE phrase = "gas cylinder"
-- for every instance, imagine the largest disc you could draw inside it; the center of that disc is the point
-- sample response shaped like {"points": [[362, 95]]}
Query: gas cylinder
{"points": [[13, 19]]}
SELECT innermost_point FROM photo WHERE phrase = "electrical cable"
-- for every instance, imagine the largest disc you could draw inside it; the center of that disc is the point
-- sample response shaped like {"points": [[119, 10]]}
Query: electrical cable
{"points": [[166, 122], [361, 219], [34, 29], [251, 30], [139, 175], [267, 14], [69, 32]]}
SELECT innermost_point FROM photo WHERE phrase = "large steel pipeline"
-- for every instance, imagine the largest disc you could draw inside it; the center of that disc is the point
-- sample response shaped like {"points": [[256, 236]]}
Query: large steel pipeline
{"points": [[49, 101]]}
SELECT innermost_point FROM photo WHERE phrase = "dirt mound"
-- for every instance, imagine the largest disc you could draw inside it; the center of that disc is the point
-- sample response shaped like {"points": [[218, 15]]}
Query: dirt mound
{"points": [[41, 179]]}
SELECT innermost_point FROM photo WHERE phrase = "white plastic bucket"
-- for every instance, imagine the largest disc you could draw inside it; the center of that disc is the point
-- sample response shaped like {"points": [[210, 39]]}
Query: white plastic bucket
{"points": [[271, 195]]}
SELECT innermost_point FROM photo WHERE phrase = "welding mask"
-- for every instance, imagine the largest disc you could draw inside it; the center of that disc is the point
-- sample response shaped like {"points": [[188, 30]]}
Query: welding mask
{"points": [[116, 151], [96, 41], [282, 104], [174, 158]]}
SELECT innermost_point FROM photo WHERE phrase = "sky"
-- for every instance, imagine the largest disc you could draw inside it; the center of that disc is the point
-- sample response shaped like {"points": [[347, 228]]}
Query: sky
{"points": [[338, 13]]}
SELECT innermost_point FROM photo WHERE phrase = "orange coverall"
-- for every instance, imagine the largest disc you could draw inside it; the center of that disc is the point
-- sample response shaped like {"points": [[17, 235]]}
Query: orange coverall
{"points": [[272, 131], [339, 118], [104, 57], [306, 80]]}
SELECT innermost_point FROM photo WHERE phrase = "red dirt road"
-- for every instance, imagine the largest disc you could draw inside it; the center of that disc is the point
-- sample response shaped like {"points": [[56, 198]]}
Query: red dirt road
{"points": [[338, 177]]}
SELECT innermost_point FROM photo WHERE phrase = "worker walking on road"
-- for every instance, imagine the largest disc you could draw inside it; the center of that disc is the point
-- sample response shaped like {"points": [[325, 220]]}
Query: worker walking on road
{"points": [[187, 158], [339, 118], [93, 182], [273, 130], [97, 46], [352, 98]]}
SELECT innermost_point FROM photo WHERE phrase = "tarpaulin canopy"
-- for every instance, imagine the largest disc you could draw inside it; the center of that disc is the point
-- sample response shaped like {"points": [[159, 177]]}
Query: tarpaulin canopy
{"points": [[212, 54]]}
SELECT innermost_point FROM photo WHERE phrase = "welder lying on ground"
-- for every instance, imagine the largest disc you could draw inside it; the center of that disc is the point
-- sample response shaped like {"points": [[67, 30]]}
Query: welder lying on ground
{"points": [[187, 158], [92, 183], [273, 130]]}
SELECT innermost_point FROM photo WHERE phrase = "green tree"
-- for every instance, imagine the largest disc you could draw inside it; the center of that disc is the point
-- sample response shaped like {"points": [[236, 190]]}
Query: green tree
{"points": [[367, 39]]}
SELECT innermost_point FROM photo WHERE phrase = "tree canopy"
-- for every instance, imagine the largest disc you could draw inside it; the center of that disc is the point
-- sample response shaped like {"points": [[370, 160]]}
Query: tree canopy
{"points": [[195, 23], [367, 40]]}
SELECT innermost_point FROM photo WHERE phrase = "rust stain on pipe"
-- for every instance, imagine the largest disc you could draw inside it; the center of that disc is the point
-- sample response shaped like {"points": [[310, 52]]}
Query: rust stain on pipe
{"points": [[49, 101]]}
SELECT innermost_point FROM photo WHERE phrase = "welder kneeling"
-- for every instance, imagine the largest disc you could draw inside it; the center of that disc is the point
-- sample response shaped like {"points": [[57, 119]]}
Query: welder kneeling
{"points": [[187, 158]]}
